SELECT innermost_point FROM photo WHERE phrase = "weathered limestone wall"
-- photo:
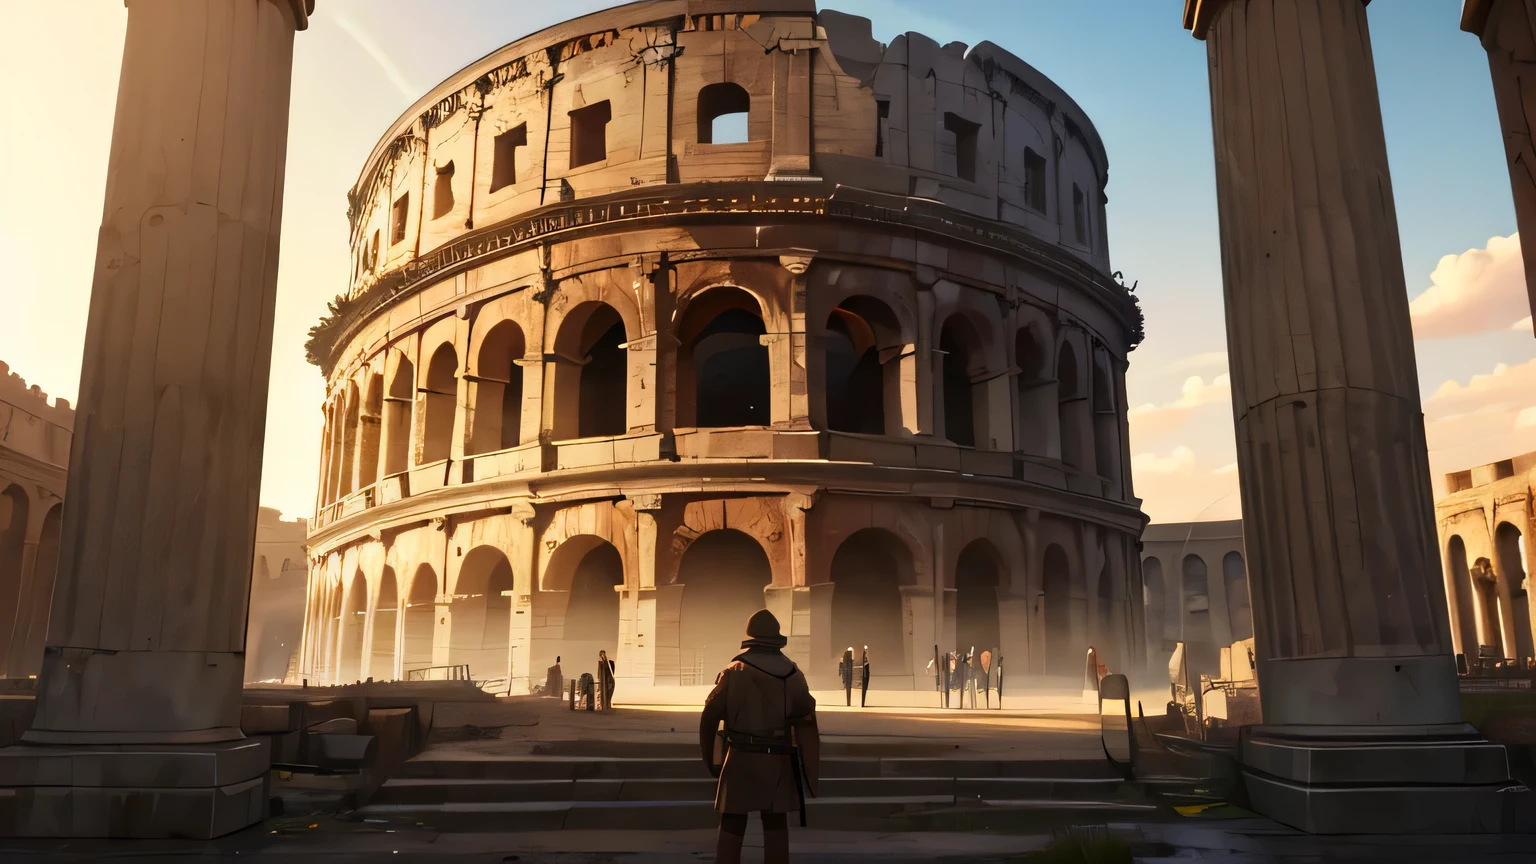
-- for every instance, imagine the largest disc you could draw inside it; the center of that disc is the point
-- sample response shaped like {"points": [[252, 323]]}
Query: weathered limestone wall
{"points": [[1485, 524], [34, 464], [1196, 585], [279, 571], [622, 402]]}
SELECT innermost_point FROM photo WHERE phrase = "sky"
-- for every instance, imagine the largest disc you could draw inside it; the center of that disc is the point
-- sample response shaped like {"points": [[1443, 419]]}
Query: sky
{"points": [[1139, 76]]}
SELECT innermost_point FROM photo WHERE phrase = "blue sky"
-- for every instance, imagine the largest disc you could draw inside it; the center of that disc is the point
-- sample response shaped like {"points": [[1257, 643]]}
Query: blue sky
{"points": [[1128, 63]]}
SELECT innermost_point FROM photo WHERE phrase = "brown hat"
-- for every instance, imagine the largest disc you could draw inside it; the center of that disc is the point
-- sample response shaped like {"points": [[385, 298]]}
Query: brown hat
{"points": [[763, 629]]}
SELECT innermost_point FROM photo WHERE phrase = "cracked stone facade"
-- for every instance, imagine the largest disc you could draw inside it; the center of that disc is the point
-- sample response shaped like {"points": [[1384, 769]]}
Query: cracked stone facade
{"points": [[684, 309]]}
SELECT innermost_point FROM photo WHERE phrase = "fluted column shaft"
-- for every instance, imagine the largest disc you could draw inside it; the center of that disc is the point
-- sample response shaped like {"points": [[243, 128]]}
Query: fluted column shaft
{"points": [[147, 633], [1348, 601], [1507, 29]]}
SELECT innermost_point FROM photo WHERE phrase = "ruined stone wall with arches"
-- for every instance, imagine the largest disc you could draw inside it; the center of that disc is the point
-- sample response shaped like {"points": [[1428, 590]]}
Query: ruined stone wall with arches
{"points": [[1485, 523], [665, 357]]}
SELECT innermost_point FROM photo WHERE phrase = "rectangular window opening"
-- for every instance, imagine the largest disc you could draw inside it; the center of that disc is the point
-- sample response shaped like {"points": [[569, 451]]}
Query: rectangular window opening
{"points": [[1079, 214], [882, 119], [397, 218], [442, 192], [589, 133], [504, 160], [965, 145], [1034, 180]]}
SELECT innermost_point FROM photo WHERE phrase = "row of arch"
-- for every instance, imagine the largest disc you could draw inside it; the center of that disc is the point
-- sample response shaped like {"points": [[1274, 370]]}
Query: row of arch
{"points": [[1063, 407], [723, 574], [1489, 596], [1189, 617], [29, 558]]}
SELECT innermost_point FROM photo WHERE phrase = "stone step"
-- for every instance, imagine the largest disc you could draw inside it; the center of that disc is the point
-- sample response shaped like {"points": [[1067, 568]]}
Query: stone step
{"points": [[430, 765], [437, 790], [897, 813]]}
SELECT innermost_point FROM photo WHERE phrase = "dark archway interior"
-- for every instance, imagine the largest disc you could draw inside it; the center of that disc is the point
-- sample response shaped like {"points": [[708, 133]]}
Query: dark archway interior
{"points": [[1061, 656], [1508, 545], [867, 609], [855, 387], [15, 511], [723, 574], [354, 617], [592, 612], [420, 620], [977, 579], [1034, 395], [482, 613], [499, 392], [439, 402], [386, 618], [731, 371], [45, 573], [959, 403], [604, 379], [1072, 423], [397, 417], [1239, 609], [1156, 601], [1200, 649]]}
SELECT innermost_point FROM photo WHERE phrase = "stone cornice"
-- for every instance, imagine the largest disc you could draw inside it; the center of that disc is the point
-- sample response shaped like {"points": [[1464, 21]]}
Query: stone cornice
{"points": [[732, 478], [714, 204], [1198, 15]]}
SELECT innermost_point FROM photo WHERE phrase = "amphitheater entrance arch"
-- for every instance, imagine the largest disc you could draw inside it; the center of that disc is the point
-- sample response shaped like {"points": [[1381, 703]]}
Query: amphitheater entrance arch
{"points": [[1062, 657], [1509, 546], [576, 610], [419, 620], [354, 615], [386, 629], [868, 571], [978, 573], [481, 620], [723, 574]]}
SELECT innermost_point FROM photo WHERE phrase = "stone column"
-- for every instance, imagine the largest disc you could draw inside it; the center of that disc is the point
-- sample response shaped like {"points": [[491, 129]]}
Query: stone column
{"points": [[1507, 29], [137, 731], [1354, 650]]}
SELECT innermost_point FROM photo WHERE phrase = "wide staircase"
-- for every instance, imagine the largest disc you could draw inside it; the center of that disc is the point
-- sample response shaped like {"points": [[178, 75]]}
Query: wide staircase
{"points": [[595, 785]]}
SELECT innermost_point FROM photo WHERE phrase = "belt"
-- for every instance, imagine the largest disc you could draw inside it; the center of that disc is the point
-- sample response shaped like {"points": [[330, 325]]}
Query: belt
{"points": [[773, 745]]}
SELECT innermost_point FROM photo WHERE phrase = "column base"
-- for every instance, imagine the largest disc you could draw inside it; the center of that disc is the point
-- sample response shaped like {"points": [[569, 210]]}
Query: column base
{"points": [[195, 791], [1434, 783]]}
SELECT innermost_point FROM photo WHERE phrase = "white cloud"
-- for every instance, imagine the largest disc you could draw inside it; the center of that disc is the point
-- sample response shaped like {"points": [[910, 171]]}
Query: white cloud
{"points": [[1526, 418], [1179, 461], [1488, 418], [1207, 360], [1229, 468], [1478, 291], [1522, 325], [1152, 419]]}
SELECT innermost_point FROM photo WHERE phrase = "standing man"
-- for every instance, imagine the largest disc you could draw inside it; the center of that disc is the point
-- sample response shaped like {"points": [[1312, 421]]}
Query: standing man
{"points": [[771, 743], [605, 669], [864, 677], [845, 669]]}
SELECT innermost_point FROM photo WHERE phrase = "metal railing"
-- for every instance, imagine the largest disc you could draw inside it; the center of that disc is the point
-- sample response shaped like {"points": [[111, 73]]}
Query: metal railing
{"points": [[459, 672]]}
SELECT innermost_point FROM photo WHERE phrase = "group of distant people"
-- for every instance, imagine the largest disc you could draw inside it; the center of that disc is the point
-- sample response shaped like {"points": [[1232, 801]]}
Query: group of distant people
{"points": [[588, 685], [967, 673]]}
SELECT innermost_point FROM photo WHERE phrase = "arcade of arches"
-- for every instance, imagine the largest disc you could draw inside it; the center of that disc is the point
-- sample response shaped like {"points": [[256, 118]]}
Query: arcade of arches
{"points": [[665, 583], [1485, 526]]}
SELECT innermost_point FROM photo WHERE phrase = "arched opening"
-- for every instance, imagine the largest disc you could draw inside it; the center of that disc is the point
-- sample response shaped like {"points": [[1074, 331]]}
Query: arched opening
{"points": [[354, 616], [591, 374], [723, 574], [722, 117], [1036, 404], [722, 366], [1106, 426], [964, 403], [978, 575], [386, 621], [1509, 547], [1199, 645], [1465, 605], [855, 379], [15, 509], [592, 613], [1485, 585], [397, 418], [1108, 637], [368, 434], [1071, 408], [1156, 601], [349, 441], [868, 571], [481, 615], [1239, 607], [498, 390], [1061, 656], [35, 615], [419, 624], [326, 667], [437, 404]]}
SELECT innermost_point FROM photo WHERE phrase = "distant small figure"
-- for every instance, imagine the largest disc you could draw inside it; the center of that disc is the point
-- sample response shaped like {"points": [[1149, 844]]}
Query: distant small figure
{"points": [[554, 681], [986, 675], [864, 677], [605, 685], [845, 671], [951, 676]]}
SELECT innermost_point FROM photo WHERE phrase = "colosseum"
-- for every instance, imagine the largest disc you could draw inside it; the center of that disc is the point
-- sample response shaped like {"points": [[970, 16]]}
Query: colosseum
{"points": [[691, 307]]}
